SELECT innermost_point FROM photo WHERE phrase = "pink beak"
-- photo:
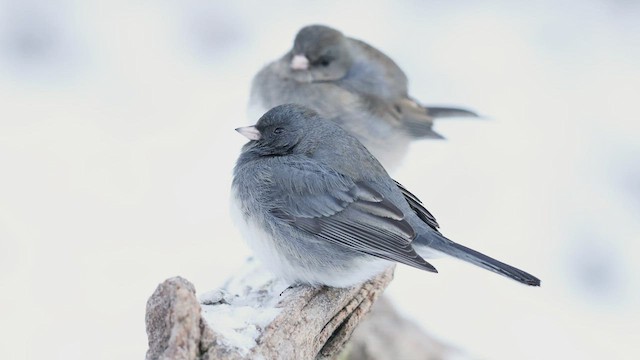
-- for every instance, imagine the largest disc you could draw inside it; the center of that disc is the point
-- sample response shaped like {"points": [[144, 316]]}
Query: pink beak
{"points": [[299, 62], [250, 132]]}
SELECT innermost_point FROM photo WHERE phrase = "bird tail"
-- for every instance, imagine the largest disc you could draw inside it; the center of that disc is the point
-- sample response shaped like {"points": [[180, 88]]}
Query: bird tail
{"points": [[438, 112], [418, 120], [444, 245]]}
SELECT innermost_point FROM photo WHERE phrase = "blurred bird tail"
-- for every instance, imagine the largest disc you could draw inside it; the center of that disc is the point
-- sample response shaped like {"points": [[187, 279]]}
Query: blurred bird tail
{"points": [[449, 112], [421, 129], [418, 120], [446, 246]]}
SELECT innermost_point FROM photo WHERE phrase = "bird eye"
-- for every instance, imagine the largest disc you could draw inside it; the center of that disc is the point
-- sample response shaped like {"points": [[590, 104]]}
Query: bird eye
{"points": [[324, 61], [278, 130]]}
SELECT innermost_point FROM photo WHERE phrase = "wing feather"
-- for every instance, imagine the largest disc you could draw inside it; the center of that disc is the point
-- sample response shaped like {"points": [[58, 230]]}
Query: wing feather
{"points": [[350, 214]]}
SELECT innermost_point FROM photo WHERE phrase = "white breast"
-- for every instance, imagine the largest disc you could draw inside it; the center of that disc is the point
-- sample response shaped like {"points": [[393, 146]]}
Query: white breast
{"points": [[259, 240]]}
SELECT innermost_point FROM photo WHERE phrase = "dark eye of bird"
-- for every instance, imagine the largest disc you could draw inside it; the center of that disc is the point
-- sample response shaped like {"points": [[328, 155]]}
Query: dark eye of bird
{"points": [[278, 130], [324, 61]]}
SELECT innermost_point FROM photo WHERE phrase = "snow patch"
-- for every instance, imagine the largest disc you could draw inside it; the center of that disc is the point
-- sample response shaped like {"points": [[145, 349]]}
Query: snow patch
{"points": [[242, 308]]}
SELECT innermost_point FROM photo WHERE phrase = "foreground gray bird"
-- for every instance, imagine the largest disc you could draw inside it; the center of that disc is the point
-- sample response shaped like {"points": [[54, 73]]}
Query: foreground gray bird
{"points": [[317, 208], [353, 84]]}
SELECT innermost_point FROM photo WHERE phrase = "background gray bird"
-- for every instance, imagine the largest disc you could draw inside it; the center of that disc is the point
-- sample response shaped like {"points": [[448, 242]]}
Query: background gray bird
{"points": [[353, 84], [317, 208]]}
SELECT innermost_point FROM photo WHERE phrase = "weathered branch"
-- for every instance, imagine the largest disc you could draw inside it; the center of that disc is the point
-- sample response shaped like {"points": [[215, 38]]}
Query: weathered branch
{"points": [[256, 316], [385, 335]]}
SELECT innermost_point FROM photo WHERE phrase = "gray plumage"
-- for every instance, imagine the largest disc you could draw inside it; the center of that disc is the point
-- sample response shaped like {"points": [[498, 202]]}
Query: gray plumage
{"points": [[316, 207], [352, 83]]}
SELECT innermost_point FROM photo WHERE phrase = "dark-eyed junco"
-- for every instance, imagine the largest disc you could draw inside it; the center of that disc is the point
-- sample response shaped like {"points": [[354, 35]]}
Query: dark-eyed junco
{"points": [[317, 208], [353, 84]]}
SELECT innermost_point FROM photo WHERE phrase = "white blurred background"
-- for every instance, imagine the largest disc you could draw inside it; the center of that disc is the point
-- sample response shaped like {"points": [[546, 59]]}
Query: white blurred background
{"points": [[117, 145]]}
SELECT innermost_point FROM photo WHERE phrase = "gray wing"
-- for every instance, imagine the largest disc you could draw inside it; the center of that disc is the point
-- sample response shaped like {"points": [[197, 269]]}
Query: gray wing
{"points": [[383, 87], [418, 208], [405, 114], [330, 206], [387, 80]]}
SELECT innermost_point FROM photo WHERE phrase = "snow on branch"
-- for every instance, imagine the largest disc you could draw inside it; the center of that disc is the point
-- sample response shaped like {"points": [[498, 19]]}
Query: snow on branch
{"points": [[256, 316]]}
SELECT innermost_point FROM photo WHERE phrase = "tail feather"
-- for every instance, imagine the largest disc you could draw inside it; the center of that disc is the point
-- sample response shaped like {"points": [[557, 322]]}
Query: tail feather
{"points": [[461, 252], [438, 112], [421, 129]]}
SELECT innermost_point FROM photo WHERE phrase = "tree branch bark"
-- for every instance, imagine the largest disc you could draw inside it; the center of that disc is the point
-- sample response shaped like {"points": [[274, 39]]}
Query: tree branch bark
{"points": [[297, 323]]}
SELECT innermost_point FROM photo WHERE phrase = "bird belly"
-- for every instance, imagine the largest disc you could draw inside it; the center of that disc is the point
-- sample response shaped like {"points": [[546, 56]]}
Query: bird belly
{"points": [[297, 266]]}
